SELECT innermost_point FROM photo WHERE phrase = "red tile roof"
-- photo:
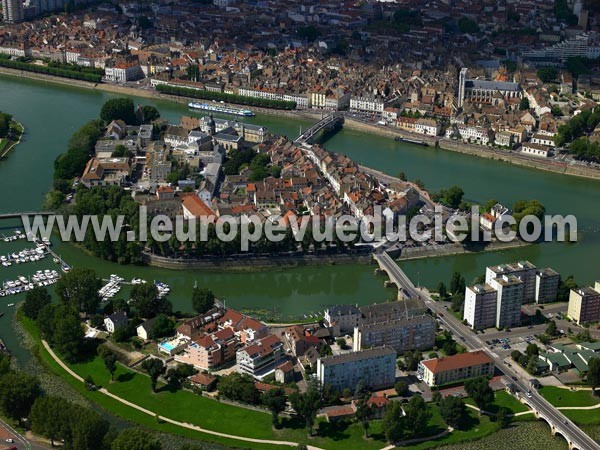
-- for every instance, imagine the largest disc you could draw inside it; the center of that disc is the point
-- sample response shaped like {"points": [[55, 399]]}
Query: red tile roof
{"points": [[457, 361]]}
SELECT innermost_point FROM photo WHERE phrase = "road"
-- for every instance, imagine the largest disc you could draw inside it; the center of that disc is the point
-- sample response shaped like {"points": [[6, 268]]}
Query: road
{"points": [[21, 442], [473, 342]]}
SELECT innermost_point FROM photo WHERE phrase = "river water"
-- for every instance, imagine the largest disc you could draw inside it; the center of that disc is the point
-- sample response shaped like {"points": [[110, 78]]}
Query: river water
{"points": [[50, 114]]}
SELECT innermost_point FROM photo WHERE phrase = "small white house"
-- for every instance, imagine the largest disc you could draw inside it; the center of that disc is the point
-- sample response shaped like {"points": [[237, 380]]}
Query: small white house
{"points": [[144, 330], [535, 149], [114, 321]]}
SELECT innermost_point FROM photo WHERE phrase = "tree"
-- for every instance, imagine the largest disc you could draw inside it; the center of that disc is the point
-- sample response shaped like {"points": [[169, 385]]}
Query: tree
{"points": [[239, 388], [412, 359], [524, 104], [155, 368], [523, 208], [363, 414], [547, 74], [564, 288], [393, 426], [417, 414], [453, 410], [457, 283], [551, 329], [18, 392], [466, 25], [79, 288], [341, 342], [593, 374], [401, 388], [145, 299], [203, 300], [118, 108], [162, 327], [67, 334], [35, 300], [306, 405], [402, 176], [49, 418], [442, 291], [274, 400], [532, 350], [135, 439], [150, 113], [503, 416], [481, 393], [110, 362]]}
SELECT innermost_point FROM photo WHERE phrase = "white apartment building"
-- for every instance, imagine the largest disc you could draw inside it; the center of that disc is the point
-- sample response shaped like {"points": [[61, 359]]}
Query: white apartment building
{"points": [[584, 304], [429, 127], [543, 139], [375, 366], [302, 100], [480, 306], [367, 104], [123, 72], [19, 50], [530, 148], [522, 269], [509, 300], [470, 133], [342, 318]]}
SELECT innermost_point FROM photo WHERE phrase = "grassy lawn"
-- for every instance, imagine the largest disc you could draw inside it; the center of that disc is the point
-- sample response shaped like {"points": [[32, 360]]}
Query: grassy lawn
{"points": [[582, 416], [3, 143], [564, 397], [503, 398], [475, 428]]}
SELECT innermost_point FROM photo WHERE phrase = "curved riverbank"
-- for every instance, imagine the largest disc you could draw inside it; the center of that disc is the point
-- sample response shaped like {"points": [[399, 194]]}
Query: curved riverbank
{"points": [[12, 144], [256, 263]]}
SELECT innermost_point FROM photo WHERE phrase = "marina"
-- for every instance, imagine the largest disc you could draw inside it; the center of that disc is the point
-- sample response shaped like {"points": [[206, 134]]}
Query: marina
{"points": [[40, 278], [23, 256]]}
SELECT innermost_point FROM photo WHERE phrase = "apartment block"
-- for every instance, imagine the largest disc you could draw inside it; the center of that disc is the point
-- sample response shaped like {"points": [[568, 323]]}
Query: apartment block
{"points": [[584, 304], [261, 357], [546, 285], [342, 318], [509, 300], [440, 371], [522, 269], [401, 334], [376, 366], [480, 306]]}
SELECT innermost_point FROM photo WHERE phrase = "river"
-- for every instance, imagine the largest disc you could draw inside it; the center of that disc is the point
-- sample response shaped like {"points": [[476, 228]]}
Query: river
{"points": [[50, 114]]}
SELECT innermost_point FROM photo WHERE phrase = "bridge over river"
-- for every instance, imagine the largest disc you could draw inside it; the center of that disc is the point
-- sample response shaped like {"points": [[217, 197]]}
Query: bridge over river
{"points": [[558, 422], [330, 121]]}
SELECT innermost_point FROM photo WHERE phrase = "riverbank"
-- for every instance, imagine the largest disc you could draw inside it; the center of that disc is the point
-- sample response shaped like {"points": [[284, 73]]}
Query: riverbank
{"points": [[6, 144], [256, 263], [437, 251], [511, 157]]}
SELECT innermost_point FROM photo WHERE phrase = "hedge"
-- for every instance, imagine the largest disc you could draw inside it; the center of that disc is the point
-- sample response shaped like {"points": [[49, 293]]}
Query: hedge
{"points": [[73, 74]]}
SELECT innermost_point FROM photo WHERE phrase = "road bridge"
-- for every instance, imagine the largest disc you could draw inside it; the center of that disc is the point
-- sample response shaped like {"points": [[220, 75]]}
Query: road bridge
{"points": [[558, 422], [328, 122], [18, 215]]}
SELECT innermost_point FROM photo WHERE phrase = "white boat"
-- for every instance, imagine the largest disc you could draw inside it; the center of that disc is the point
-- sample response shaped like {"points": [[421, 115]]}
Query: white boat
{"points": [[11, 304]]}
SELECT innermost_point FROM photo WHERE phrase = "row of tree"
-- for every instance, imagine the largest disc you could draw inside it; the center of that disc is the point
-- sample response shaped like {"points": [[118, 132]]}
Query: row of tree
{"points": [[577, 126], [5, 61], [59, 420], [222, 96]]}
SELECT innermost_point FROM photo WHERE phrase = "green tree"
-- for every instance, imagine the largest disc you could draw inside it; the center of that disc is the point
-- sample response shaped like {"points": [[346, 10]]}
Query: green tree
{"points": [[154, 367], [35, 300], [564, 288], [135, 439], [67, 335], [79, 288], [150, 113], [363, 414], [457, 283], [145, 299], [162, 327], [551, 329], [110, 362], [453, 410], [118, 108], [593, 374], [547, 74], [274, 400], [466, 25], [306, 405], [393, 422], [481, 393], [442, 291], [523, 208], [240, 388], [401, 388], [203, 300], [18, 392], [524, 104], [49, 418], [417, 414]]}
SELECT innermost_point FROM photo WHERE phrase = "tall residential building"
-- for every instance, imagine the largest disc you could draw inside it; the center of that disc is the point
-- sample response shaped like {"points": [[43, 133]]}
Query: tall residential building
{"points": [[13, 11], [522, 269], [586, 45], [440, 371], [480, 306], [509, 300], [546, 285], [375, 366], [584, 304]]}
